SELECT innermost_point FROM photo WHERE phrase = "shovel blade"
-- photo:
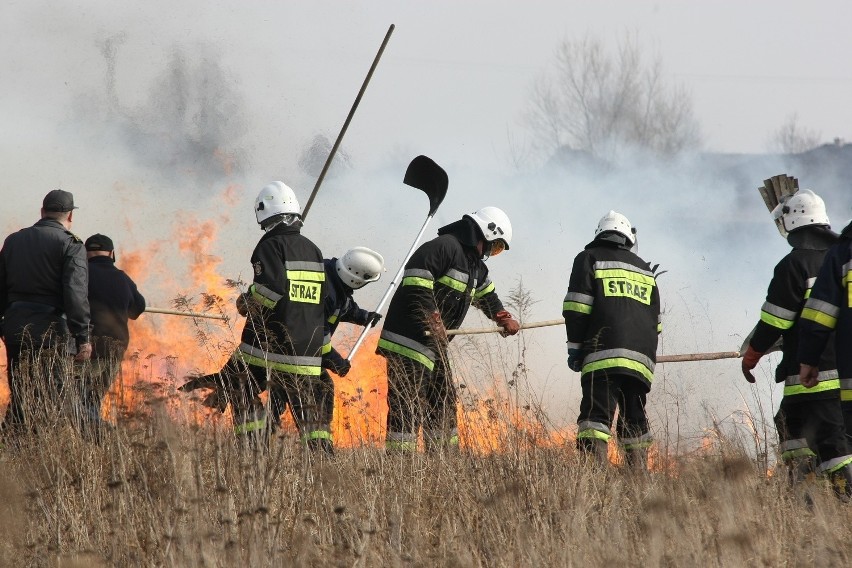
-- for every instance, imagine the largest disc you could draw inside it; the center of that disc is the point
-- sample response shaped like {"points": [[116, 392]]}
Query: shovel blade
{"points": [[430, 178]]}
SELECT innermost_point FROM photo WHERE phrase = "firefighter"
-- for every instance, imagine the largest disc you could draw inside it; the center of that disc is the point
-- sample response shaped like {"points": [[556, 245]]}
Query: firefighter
{"points": [[809, 420], [441, 280], [45, 309], [282, 340], [113, 298], [827, 310], [352, 271], [612, 318]]}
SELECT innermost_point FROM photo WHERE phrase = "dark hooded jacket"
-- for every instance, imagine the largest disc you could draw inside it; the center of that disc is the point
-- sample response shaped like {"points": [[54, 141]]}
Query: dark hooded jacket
{"points": [[828, 311], [788, 291], [612, 310], [445, 275], [339, 307], [286, 332]]}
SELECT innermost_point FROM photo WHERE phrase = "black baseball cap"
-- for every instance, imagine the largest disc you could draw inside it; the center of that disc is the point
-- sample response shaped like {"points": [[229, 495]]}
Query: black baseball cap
{"points": [[58, 200], [99, 242]]}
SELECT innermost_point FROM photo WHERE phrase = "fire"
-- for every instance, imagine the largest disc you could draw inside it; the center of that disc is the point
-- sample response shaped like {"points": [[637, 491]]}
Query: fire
{"points": [[360, 402]]}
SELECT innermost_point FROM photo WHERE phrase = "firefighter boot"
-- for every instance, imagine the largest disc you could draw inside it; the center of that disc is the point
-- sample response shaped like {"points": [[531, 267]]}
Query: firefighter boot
{"points": [[321, 446], [636, 459], [801, 473], [594, 449], [841, 483]]}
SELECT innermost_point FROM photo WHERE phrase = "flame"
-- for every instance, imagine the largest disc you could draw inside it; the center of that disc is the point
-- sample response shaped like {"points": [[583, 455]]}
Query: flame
{"points": [[360, 402]]}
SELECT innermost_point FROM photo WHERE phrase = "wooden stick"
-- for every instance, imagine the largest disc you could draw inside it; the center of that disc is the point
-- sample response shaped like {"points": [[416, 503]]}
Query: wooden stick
{"points": [[660, 358], [474, 331], [187, 314], [698, 357]]}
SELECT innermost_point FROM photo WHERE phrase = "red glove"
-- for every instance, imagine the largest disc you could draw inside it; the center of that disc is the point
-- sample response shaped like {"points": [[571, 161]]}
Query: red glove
{"points": [[436, 327], [750, 359], [509, 324]]}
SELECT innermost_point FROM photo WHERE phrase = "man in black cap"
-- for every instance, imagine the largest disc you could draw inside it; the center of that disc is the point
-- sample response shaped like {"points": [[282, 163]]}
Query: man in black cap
{"points": [[114, 299], [44, 304]]}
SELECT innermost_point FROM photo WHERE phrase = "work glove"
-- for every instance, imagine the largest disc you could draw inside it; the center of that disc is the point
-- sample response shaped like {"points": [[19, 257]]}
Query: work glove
{"points": [[575, 359], [509, 324], [373, 318], [750, 359], [242, 304], [336, 363], [84, 352], [436, 327], [808, 375]]}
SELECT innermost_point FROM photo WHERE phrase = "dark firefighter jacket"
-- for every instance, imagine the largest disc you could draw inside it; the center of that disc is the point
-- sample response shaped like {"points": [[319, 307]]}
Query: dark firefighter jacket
{"points": [[612, 310], [286, 332], [445, 276], [829, 309], [114, 299], [339, 307], [44, 280], [790, 287]]}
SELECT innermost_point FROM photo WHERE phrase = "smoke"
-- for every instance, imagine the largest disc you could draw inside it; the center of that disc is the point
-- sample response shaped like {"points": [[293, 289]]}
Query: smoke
{"points": [[188, 127], [149, 120]]}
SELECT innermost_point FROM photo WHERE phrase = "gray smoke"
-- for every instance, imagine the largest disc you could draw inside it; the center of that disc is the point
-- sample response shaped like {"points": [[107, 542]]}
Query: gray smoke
{"points": [[188, 127]]}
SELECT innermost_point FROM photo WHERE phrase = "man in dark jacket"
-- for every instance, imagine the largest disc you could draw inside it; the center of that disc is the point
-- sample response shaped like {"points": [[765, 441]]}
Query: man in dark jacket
{"points": [[45, 310], [829, 310], [441, 280], [809, 420], [113, 298], [612, 318]]}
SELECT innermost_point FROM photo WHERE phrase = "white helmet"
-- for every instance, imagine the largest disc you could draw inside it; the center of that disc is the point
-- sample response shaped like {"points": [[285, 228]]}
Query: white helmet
{"points": [[495, 227], [801, 209], [617, 222], [360, 266], [275, 199]]}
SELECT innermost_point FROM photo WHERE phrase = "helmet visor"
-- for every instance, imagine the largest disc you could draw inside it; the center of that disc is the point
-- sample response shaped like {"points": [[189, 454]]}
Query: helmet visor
{"points": [[495, 247]]}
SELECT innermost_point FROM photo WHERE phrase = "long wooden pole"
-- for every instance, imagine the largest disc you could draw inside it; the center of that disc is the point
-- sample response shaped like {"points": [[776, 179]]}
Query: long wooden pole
{"points": [[153, 310], [681, 358], [474, 331], [346, 123], [697, 357]]}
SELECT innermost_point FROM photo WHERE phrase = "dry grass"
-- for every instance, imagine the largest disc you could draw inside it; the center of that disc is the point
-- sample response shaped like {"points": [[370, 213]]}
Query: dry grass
{"points": [[156, 493]]}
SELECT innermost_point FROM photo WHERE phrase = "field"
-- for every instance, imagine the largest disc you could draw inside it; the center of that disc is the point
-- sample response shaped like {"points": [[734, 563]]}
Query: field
{"points": [[161, 490]]}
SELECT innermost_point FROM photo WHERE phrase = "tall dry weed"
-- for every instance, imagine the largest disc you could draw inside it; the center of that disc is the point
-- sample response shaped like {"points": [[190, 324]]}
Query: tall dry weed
{"points": [[162, 489]]}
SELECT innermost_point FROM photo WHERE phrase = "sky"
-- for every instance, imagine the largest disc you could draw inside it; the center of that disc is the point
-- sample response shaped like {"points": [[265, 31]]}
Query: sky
{"points": [[163, 116]]}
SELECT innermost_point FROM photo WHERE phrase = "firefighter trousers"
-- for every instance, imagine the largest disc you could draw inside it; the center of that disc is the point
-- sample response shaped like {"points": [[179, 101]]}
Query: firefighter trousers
{"points": [[37, 386], [812, 435], [602, 395], [420, 398], [310, 399]]}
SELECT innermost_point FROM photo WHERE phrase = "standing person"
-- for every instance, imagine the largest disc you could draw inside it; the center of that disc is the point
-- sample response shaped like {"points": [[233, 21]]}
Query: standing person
{"points": [[441, 280], [282, 341], [829, 310], [612, 317], [113, 299], [45, 309], [809, 420]]}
